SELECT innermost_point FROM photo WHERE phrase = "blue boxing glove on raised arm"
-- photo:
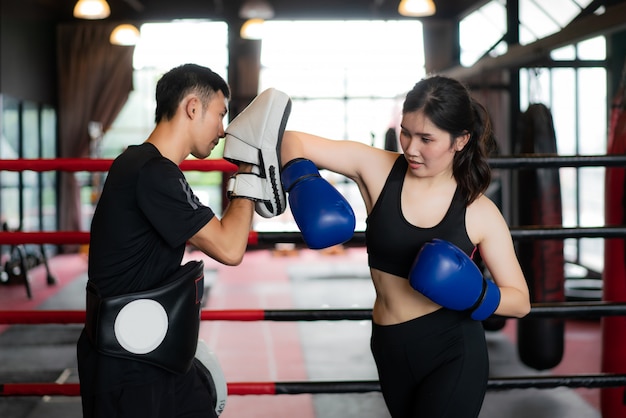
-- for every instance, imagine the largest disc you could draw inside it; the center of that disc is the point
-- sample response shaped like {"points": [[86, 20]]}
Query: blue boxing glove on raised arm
{"points": [[446, 275], [323, 215]]}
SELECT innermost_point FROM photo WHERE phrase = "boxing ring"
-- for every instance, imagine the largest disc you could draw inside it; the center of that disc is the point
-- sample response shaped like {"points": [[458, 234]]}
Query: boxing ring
{"points": [[260, 240]]}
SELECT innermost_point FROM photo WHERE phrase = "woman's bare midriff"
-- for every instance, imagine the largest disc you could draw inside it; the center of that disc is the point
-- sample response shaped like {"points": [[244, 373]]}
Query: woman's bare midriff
{"points": [[396, 301]]}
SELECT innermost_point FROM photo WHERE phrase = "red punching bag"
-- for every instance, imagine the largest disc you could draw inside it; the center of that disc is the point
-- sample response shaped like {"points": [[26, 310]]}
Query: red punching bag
{"points": [[612, 401]]}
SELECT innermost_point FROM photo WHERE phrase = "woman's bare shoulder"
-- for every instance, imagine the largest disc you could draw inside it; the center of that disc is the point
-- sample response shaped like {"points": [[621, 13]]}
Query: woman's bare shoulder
{"points": [[484, 217]]}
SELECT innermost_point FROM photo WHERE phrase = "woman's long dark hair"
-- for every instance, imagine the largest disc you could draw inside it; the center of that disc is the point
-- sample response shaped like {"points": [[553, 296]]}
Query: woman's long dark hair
{"points": [[449, 105]]}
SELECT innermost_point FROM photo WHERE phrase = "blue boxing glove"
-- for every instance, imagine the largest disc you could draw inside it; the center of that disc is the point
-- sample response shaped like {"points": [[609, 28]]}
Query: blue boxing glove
{"points": [[446, 275], [322, 214]]}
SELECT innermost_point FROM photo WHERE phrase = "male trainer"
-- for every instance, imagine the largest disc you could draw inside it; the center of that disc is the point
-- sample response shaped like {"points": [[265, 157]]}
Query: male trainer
{"points": [[138, 354]]}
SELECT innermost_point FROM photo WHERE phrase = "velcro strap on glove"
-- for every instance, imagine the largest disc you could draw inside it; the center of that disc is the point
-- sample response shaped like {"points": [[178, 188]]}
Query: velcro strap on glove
{"points": [[488, 302], [247, 186]]}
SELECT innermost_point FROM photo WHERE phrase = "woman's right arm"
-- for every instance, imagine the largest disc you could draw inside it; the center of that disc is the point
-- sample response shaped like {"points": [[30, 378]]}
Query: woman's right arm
{"points": [[334, 155], [364, 164]]}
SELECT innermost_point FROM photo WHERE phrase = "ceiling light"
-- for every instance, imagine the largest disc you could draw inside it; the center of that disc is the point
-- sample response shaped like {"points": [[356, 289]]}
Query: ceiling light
{"points": [[256, 9], [252, 29], [256, 12], [124, 34], [417, 8], [92, 9]]}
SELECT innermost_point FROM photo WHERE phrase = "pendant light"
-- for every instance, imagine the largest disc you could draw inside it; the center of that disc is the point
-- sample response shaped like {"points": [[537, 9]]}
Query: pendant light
{"points": [[92, 9], [417, 8]]}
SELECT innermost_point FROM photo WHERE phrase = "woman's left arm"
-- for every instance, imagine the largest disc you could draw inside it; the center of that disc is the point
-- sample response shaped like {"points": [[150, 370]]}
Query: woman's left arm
{"points": [[487, 227]]}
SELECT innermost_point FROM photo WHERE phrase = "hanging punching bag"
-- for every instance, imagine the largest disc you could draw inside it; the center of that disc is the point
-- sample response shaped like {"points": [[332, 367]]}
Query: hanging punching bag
{"points": [[540, 340]]}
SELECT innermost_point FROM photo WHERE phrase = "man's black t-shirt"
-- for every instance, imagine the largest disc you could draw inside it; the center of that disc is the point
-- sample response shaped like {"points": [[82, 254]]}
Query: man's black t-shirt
{"points": [[144, 218]]}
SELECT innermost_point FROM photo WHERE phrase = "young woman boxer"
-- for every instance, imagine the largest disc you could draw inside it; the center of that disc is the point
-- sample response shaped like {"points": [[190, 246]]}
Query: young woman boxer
{"points": [[431, 355]]}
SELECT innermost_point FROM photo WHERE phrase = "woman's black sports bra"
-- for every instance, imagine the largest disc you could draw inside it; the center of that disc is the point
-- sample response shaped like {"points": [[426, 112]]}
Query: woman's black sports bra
{"points": [[393, 243]]}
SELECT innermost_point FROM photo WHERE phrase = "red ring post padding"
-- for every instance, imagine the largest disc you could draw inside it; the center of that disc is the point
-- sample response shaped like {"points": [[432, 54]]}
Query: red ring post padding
{"points": [[233, 315], [68, 237], [39, 389], [253, 238], [252, 388], [42, 317]]}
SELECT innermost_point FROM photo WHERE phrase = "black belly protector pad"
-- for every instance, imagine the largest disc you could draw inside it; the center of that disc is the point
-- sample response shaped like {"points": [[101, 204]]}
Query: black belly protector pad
{"points": [[181, 298]]}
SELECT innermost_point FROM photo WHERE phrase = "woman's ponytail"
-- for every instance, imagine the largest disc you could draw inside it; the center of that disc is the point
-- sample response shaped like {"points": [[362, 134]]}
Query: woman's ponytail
{"points": [[471, 167]]}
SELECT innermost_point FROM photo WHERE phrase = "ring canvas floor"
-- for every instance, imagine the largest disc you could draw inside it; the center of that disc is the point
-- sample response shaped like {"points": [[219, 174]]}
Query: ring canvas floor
{"points": [[267, 351]]}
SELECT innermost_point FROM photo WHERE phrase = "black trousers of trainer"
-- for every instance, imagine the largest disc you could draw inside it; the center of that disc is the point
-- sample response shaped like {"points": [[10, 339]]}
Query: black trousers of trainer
{"points": [[435, 366], [178, 396], [169, 396]]}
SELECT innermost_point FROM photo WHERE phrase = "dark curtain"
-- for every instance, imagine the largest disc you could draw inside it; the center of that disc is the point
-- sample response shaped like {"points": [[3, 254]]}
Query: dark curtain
{"points": [[95, 79]]}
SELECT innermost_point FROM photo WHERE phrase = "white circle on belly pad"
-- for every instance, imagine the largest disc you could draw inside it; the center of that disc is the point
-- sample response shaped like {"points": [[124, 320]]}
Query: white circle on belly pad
{"points": [[141, 326]]}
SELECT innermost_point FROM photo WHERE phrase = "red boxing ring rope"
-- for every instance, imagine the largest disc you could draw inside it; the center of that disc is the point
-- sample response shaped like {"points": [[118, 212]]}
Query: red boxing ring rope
{"points": [[603, 380], [237, 388], [87, 164], [13, 317], [67, 237], [538, 310], [92, 164], [73, 389]]}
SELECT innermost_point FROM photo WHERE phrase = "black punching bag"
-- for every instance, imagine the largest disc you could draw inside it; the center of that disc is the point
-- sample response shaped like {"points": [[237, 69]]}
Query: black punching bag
{"points": [[540, 340]]}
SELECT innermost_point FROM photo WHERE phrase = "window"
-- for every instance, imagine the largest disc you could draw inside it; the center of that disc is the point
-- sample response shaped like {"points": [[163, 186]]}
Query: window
{"points": [[347, 80], [28, 199], [578, 110], [482, 32], [343, 73], [48, 179], [162, 47], [31, 185], [10, 149], [539, 19]]}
